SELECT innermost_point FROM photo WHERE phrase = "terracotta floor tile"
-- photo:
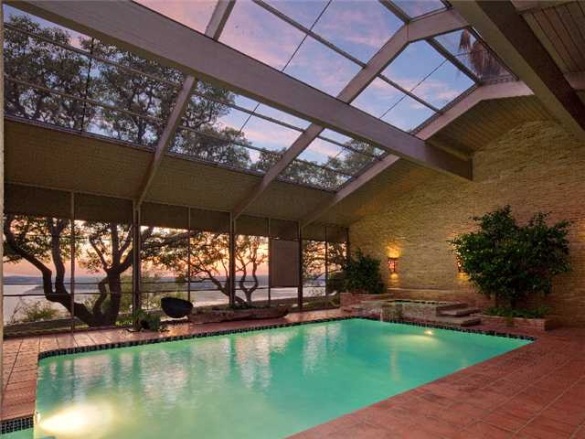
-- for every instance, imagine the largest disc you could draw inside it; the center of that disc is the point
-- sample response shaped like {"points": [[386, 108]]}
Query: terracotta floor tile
{"points": [[505, 420], [482, 430]]}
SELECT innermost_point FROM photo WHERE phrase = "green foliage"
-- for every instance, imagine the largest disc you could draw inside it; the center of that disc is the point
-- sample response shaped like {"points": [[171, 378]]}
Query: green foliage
{"points": [[33, 311], [511, 261], [361, 273], [148, 321], [535, 313]]}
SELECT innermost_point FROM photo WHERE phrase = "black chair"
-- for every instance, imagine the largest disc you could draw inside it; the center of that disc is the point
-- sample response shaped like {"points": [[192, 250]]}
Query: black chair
{"points": [[175, 307]]}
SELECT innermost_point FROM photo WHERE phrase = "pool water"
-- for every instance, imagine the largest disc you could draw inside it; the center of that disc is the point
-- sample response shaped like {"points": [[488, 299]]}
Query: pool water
{"points": [[262, 384]]}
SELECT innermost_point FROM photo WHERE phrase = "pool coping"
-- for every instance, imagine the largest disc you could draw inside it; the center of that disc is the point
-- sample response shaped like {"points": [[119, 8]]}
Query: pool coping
{"points": [[27, 422]]}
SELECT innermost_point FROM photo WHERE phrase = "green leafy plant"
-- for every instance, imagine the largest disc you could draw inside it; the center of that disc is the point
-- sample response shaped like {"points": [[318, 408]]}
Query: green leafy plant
{"points": [[512, 261], [148, 321], [361, 273], [535, 313]]}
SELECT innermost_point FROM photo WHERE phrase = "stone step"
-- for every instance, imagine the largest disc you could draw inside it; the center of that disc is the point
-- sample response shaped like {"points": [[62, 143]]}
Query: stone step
{"points": [[458, 321], [450, 306], [458, 312]]}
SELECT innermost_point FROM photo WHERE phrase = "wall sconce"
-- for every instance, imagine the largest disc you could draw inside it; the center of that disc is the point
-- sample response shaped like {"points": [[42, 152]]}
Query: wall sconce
{"points": [[459, 264], [392, 265]]}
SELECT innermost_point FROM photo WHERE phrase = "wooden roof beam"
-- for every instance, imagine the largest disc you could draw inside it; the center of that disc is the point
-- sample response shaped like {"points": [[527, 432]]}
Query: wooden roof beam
{"points": [[505, 31], [215, 26]]}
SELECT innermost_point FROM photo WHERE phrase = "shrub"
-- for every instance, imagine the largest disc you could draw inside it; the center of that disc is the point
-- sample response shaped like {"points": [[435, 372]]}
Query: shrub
{"points": [[511, 261], [361, 273]]}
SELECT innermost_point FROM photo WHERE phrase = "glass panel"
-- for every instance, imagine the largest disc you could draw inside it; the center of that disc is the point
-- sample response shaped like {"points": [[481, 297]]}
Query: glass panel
{"points": [[473, 53], [43, 28], [213, 148], [306, 173], [416, 8], [304, 12], [377, 98], [443, 85], [414, 64], [209, 269], [252, 269], [258, 33], [103, 279], [123, 126], [164, 265], [335, 157], [267, 135], [282, 116], [26, 304], [358, 27], [314, 263], [193, 14], [321, 67], [407, 114]]}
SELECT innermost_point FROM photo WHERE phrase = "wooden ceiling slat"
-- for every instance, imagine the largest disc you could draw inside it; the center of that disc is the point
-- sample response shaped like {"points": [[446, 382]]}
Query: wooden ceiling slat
{"points": [[556, 44], [561, 23]]}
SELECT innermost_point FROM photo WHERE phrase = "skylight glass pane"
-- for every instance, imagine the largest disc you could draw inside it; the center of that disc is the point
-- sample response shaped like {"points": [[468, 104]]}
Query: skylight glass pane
{"points": [[244, 102], [414, 64], [335, 157], [193, 14], [309, 174], [358, 27], [321, 67], [39, 26], [443, 85], [281, 116], [123, 126], [267, 135], [357, 145], [407, 114], [473, 53], [377, 98], [304, 12], [258, 33], [416, 8], [334, 135]]}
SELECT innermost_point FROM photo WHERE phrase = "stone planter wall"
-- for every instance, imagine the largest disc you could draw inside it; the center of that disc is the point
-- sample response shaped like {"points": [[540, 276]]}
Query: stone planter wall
{"points": [[540, 325]]}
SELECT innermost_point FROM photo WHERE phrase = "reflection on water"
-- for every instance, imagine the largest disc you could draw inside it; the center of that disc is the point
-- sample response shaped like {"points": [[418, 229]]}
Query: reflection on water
{"points": [[265, 384]]}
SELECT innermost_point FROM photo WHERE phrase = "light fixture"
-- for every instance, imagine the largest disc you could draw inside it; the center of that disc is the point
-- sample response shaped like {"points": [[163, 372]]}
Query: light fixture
{"points": [[392, 265], [459, 264]]}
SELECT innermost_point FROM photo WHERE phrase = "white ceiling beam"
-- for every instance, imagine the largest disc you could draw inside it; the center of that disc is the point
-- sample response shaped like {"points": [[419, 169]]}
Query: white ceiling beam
{"points": [[505, 31], [136, 28], [350, 188], [214, 28], [425, 27]]}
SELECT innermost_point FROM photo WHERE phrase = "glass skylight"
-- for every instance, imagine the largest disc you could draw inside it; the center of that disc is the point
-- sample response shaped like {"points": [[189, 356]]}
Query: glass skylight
{"points": [[377, 98], [304, 12], [321, 67], [335, 157], [417, 8], [358, 27], [193, 14], [302, 172], [407, 114], [258, 33], [473, 53]]}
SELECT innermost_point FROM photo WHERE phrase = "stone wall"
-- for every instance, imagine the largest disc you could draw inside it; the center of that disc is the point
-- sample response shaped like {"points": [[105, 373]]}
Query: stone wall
{"points": [[535, 167]]}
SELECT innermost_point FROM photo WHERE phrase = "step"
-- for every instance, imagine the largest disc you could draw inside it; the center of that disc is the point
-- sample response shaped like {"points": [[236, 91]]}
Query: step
{"points": [[458, 312], [449, 306], [458, 321]]}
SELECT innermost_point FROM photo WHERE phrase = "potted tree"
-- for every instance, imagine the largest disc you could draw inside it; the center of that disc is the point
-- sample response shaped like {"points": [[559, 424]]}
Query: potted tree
{"points": [[514, 263], [360, 279]]}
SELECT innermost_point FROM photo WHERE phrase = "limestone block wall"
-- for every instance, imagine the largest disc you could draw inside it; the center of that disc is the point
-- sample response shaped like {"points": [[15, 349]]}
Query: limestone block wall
{"points": [[535, 167]]}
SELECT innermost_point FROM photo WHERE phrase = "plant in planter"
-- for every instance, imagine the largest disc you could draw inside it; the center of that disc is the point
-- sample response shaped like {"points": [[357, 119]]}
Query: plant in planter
{"points": [[147, 321], [510, 261], [361, 274]]}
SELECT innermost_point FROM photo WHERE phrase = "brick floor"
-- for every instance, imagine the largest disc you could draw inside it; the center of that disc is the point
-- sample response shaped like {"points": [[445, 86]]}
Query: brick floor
{"points": [[537, 391]]}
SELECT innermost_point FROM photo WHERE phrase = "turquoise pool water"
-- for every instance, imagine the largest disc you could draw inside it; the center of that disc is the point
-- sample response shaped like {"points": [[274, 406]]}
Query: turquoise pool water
{"points": [[264, 384]]}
